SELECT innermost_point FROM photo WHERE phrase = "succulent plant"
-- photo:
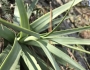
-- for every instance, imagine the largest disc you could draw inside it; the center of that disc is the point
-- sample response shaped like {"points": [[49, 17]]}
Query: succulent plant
{"points": [[31, 46]]}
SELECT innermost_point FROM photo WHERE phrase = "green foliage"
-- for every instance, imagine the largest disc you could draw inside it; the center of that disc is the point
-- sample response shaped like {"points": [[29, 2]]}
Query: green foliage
{"points": [[12, 57], [32, 46]]}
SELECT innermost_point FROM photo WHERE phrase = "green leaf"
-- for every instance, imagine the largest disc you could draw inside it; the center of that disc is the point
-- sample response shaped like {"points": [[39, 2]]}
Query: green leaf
{"points": [[76, 48], [54, 22], [45, 19], [30, 38], [71, 40], [4, 54], [61, 56], [29, 60], [7, 34], [43, 65], [18, 28], [68, 31], [41, 62], [18, 66], [11, 61], [30, 8], [16, 18], [49, 56], [23, 16], [64, 57]]}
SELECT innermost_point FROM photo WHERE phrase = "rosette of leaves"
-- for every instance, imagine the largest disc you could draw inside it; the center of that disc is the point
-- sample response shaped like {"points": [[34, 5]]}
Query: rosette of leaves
{"points": [[30, 46]]}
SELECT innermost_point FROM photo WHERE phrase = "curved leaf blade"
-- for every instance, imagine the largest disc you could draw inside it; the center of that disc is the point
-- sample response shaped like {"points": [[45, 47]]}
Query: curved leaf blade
{"points": [[16, 18], [76, 48], [4, 54], [64, 57], [71, 40], [23, 16], [61, 56], [41, 62], [7, 34], [54, 22], [18, 28], [29, 60], [14, 55], [68, 31], [49, 56], [45, 19]]}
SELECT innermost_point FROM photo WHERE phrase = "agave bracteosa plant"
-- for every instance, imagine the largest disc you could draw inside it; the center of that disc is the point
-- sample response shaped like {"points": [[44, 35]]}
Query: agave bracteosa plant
{"points": [[26, 46]]}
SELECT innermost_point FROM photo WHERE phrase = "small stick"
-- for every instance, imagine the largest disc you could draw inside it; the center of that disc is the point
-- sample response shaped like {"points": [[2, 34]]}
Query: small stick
{"points": [[50, 29], [71, 54], [50, 24]]}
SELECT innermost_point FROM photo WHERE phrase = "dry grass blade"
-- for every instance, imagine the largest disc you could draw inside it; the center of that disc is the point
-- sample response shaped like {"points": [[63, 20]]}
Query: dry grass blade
{"points": [[50, 24]]}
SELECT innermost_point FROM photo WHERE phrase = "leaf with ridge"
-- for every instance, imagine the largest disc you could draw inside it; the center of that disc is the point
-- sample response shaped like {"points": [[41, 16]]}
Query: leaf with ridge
{"points": [[43, 65], [54, 22], [45, 19], [49, 56], [30, 8], [7, 34], [4, 54], [18, 28], [76, 48], [24, 22], [71, 40], [29, 60], [16, 18], [57, 52], [12, 58], [61, 56], [41, 62], [68, 31]]}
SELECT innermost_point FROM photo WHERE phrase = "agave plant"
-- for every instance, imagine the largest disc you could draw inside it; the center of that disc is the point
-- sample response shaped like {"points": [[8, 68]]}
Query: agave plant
{"points": [[30, 46]]}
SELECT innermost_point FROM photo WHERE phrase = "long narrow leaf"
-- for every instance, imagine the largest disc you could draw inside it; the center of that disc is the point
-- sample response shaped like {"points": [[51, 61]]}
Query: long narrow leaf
{"points": [[4, 54], [49, 56], [16, 18], [7, 34], [11, 61], [68, 31], [30, 61], [30, 8], [76, 48], [23, 16], [45, 19], [61, 56], [41, 62], [71, 40], [18, 28], [64, 57], [54, 22]]}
